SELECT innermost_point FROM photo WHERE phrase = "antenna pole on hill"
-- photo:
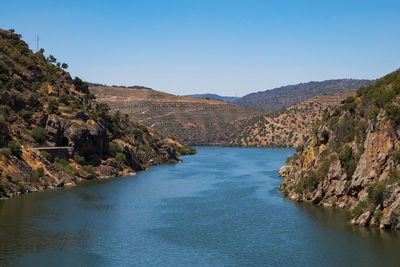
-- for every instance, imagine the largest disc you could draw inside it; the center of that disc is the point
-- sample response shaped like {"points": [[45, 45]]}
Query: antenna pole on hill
{"points": [[37, 43]]}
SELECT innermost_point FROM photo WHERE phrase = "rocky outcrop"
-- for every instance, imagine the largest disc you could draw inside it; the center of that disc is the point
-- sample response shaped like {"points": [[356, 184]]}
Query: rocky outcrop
{"points": [[352, 161], [89, 138]]}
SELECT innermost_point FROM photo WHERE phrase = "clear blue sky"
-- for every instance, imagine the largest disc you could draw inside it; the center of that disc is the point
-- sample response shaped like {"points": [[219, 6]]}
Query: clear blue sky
{"points": [[226, 47]]}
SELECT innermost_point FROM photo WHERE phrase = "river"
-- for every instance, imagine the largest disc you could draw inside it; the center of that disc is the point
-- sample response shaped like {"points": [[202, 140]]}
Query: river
{"points": [[221, 207]]}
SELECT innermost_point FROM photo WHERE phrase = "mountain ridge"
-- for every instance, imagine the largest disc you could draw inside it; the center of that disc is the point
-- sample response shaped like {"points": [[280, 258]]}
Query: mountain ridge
{"points": [[285, 96]]}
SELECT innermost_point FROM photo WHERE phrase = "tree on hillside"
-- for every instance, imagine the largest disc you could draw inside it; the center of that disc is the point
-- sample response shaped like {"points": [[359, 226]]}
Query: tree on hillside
{"points": [[51, 59]]}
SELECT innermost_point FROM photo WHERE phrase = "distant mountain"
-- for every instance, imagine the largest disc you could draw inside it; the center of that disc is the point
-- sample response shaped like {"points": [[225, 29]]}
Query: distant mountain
{"points": [[285, 96], [227, 99]]}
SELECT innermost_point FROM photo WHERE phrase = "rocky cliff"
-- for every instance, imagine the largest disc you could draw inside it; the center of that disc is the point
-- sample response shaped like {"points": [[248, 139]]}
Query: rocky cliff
{"points": [[54, 133], [352, 161]]}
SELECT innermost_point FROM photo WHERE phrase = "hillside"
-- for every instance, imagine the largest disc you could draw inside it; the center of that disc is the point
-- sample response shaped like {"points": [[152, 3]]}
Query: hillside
{"points": [[352, 160], [228, 99], [53, 132], [288, 127], [286, 96], [191, 121]]}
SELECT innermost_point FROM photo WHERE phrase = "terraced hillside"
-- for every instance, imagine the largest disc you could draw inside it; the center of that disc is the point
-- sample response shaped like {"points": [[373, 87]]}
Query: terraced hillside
{"points": [[287, 127], [189, 120]]}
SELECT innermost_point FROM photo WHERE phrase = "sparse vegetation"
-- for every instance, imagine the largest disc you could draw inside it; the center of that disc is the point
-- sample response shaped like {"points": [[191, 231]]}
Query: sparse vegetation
{"points": [[39, 134], [393, 113], [53, 106], [348, 160], [120, 157], [375, 192], [63, 165], [15, 148], [88, 168], [114, 148], [186, 150], [359, 209], [36, 174]]}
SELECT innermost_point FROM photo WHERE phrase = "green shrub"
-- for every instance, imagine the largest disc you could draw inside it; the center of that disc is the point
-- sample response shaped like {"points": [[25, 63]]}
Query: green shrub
{"points": [[375, 192], [394, 175], [114, 148], [349, 103], [120, 157], [346, 129], [47, 156], [313, 178], [5, 151], [35, 86], [373, 112], [21, 187], [3, 186], [315, 127], [26, 114], [81, 85], [79, 159], [396, 86], [53, 106], [186, 150], [378, 215], [359, 209], [300, 187], [348, 160], [396, 155], [63, 165], [36, 174], [382, 96], [361, 130], [39, 134], [88, 168], [393, 113], [15, 148], [63, 98], [138, 134]]}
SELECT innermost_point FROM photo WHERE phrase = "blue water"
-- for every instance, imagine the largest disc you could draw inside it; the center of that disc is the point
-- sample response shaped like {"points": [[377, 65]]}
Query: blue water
{"points": [[221, 207]]}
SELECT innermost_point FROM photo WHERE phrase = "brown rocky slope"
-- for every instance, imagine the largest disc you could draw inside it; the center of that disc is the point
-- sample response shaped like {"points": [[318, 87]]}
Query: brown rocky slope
{"points": [[53, 132], [352, 161], [288, 127]]}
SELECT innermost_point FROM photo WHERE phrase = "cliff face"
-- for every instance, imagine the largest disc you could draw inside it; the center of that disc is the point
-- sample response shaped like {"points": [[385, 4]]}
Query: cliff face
{"points": [[352, 161], [54, 133]]}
